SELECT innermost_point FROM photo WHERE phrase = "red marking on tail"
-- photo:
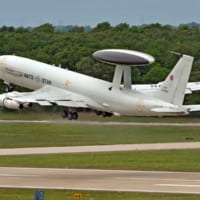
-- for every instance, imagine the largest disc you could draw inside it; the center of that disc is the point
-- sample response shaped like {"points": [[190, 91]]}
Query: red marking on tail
{"points": [[171, 77]]}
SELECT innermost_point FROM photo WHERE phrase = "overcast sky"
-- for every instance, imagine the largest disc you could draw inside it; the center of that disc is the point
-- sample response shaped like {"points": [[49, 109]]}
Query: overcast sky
{"points": [[92, 12]]}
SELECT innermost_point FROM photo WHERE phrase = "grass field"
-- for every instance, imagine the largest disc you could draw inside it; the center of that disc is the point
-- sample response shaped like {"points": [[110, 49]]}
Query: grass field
{"points": [[12, 194], [36, 135], [90, 116], [174, 160]]}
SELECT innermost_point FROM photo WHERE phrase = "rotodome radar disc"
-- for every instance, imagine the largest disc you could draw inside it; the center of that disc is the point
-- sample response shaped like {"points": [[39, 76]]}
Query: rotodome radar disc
{"points": [[123, 57]]}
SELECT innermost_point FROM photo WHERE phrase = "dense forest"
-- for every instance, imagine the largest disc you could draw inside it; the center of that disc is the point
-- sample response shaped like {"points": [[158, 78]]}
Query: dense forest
{"points": [[73, 49]]}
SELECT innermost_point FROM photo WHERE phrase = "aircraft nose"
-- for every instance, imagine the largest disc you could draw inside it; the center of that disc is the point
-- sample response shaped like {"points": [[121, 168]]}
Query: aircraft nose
{"points": [[3, 60]]}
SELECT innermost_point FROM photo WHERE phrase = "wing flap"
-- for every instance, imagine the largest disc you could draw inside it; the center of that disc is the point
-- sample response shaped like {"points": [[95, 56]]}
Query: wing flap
{"points": [[74, 104], [42, 103]]}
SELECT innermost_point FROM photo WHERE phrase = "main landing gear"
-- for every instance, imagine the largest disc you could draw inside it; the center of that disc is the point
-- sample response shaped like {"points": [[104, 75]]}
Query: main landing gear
{"points": [[69, 115], [104, 114], [73, 115]]}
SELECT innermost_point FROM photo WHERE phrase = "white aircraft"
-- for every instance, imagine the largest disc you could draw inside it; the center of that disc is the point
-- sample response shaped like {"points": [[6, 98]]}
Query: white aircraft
{"points": [[71, 90]]}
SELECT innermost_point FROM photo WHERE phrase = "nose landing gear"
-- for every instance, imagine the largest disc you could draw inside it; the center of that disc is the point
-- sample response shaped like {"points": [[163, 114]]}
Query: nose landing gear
{"points": [[8, 87]]}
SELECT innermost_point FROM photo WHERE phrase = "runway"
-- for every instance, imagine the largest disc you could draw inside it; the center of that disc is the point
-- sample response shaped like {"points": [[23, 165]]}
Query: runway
{"points": [[98, 123], [99, 148], [100, 180]]}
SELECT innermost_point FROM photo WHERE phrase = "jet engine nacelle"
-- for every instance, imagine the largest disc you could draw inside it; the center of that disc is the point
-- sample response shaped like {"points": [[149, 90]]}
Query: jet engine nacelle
{"points": [[10, 104]]}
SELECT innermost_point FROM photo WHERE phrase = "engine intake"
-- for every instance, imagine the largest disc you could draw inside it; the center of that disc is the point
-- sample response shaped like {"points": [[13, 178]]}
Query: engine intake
{"points": [[11, 104]]}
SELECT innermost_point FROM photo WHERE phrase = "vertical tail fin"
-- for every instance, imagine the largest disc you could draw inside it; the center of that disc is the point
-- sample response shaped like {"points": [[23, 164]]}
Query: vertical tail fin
{"points": [[173, 88]]}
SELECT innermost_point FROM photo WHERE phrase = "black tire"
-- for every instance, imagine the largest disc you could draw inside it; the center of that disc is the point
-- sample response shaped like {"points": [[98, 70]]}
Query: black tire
{"points": [[98, 113], [8, 88], [64, 114], [104, 114], [75, 115], [70, 116]]}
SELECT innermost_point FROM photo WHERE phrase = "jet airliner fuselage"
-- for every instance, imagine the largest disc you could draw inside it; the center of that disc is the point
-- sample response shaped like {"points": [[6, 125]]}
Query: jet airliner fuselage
{"points": [[34, 75], [72, 90]]}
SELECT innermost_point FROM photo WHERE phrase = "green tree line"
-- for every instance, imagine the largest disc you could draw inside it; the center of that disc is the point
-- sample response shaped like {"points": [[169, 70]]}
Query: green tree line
{"points": [[73, 49]]}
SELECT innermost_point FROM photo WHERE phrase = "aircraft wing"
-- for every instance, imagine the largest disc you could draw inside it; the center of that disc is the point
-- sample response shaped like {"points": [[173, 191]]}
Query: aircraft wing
{"points": [[49, 95]]}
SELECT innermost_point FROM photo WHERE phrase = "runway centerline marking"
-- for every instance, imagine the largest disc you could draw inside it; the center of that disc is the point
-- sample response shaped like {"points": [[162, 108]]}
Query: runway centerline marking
{"points": [[17, 175], [158, 179], [178, 185]]}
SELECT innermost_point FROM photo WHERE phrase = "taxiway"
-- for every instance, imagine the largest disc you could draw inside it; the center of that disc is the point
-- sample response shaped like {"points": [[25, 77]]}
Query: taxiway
{"points": [[99, 148], [100, 180], [98, 123]]}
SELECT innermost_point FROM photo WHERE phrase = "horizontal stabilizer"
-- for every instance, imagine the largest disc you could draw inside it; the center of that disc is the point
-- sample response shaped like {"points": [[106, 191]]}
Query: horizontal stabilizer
{"points": [[193, 86], [192, 108], [165, 110]]}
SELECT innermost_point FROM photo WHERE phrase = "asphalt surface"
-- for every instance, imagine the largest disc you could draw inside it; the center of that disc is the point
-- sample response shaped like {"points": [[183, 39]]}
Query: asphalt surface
{"points": [[99, 148], [109, 123], [100, 180]]}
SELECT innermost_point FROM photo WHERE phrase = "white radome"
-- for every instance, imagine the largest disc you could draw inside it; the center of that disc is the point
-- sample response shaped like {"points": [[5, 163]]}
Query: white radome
{"points": [[123, 57]]}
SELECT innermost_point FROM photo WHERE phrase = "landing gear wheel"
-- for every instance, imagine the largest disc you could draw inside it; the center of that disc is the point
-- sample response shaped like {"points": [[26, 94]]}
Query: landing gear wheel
{"points": [[72, 116], [64, 114], [69, 115], [104, 114], [75, 115], [8, 88], [98, 113]]}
